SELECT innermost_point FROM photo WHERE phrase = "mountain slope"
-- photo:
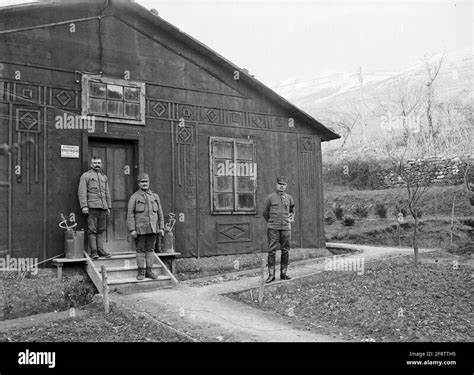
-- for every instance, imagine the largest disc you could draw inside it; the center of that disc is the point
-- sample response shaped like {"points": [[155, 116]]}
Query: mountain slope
{"points": [[340, 101]]}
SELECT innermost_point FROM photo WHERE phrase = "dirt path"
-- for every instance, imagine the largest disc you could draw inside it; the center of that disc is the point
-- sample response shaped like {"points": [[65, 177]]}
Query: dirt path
{"points": [[203, 312], [38, 319]]}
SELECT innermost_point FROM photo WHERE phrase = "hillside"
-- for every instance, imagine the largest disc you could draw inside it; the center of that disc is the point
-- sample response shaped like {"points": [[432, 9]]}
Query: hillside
{"points": [[336, 99]]}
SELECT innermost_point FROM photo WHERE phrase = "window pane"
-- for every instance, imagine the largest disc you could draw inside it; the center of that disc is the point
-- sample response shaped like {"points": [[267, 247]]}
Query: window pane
{"points": [[223, 184], [223, 167], [132, 110], [245, 201], [222, 149], [245, 168], [115, 92], [115, 108], [224, 201], [97, 89], [244, 151], [97, 106], [131, 94], [245, 185]]}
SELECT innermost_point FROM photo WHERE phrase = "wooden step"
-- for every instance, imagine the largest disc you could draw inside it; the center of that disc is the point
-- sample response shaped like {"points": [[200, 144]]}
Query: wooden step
{"points": [[122, 260], [131, 268], [124, 272], [146, 285], [133, 280], [119, 259]]}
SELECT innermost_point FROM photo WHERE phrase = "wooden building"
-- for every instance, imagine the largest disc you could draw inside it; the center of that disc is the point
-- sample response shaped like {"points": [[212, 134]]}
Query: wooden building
{"points": [[152, 98]]}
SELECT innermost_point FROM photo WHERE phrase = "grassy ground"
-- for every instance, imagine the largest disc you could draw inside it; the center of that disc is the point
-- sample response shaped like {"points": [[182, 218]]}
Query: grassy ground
{"points": [[95, 327], [40, 293], [435, 224], [391, 301], [387, 232], [437, 201]]}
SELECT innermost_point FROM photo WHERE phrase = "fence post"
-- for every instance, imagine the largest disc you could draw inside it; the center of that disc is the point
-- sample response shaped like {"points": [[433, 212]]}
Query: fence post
{"points": [[452, 225], [105, 289], [262, 283]]}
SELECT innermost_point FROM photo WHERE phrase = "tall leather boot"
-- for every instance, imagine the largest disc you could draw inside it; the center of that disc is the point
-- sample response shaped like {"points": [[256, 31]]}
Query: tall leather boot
{"points": [[271, 275], [100, 245], [93, 245], [285, 257], [150, 259], [283, 270], [141, 266], [271, 267]]}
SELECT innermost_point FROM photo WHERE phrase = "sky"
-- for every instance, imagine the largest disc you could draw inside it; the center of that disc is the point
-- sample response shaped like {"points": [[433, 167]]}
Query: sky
{"points": [[280, 40]]}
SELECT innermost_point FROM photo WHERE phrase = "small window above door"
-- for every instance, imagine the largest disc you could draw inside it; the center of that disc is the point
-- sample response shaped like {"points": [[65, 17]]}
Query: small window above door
{"points": [[117, 100]]}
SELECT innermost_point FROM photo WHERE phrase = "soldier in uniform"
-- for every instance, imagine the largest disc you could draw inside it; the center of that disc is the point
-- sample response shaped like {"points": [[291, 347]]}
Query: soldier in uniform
{"points": [[144, 221], [94, 199], [279, 212]]}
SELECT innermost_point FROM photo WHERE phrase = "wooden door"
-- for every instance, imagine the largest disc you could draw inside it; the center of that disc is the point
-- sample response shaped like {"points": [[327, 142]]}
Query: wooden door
{"points": [[118, 163]]}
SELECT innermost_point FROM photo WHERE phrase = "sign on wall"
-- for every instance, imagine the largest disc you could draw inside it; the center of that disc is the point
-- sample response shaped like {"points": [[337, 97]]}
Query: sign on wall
{"points": [[69, 151]]}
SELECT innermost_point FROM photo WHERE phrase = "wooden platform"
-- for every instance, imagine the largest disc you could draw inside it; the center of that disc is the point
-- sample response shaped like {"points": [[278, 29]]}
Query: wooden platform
{"points": [[59, 262]]}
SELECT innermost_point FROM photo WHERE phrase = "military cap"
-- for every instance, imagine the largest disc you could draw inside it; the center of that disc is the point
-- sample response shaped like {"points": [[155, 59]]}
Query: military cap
{"points": [[143, 176], [282, 180]]}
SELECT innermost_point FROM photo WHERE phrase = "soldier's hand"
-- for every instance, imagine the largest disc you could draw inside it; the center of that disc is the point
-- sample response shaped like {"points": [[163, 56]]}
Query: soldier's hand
{"points": [[161, 232], [133, 233], [108, 211], [85, 210]]}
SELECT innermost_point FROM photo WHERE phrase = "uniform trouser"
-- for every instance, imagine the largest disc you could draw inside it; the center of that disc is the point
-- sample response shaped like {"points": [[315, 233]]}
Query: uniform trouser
{"points": [[96, 222], [145, 247], [145, 243], [275, 237]]}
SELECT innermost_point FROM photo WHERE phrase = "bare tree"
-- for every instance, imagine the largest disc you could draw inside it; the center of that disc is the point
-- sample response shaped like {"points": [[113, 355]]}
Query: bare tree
{"points": [[432, 71], [416, 183], [469, 182]]}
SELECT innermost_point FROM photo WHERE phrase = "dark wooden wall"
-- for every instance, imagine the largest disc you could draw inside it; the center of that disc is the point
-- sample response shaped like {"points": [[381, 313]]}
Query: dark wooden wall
{"points": [[180, 83]]}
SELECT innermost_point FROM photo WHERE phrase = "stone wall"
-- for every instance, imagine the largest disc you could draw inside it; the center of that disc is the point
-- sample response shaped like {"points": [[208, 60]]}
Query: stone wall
{"points": [[434, 170]]}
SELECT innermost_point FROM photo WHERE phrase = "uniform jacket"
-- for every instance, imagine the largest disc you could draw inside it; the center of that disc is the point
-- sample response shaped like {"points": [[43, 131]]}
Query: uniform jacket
{"points": [[277, 209], [93, 190], [144, 212]]}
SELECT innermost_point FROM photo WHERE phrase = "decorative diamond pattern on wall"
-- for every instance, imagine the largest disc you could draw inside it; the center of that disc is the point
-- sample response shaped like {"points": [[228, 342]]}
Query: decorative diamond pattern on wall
{"points": [[159, 109], [63, 97], [211, 115], [239, 232], [185, 135], [258, 120], [28, 121]]}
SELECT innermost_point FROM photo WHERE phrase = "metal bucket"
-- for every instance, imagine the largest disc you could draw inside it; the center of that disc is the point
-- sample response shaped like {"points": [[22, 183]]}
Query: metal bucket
{"points": [[73, 244], [168, 243]]}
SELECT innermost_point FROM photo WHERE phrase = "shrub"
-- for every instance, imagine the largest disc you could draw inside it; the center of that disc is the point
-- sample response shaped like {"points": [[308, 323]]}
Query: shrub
{"points": [[348, 220], [360, 210], [329, 217], [418, 212], [400, 207], [338, 210], [361, 172], [381, 210]]}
